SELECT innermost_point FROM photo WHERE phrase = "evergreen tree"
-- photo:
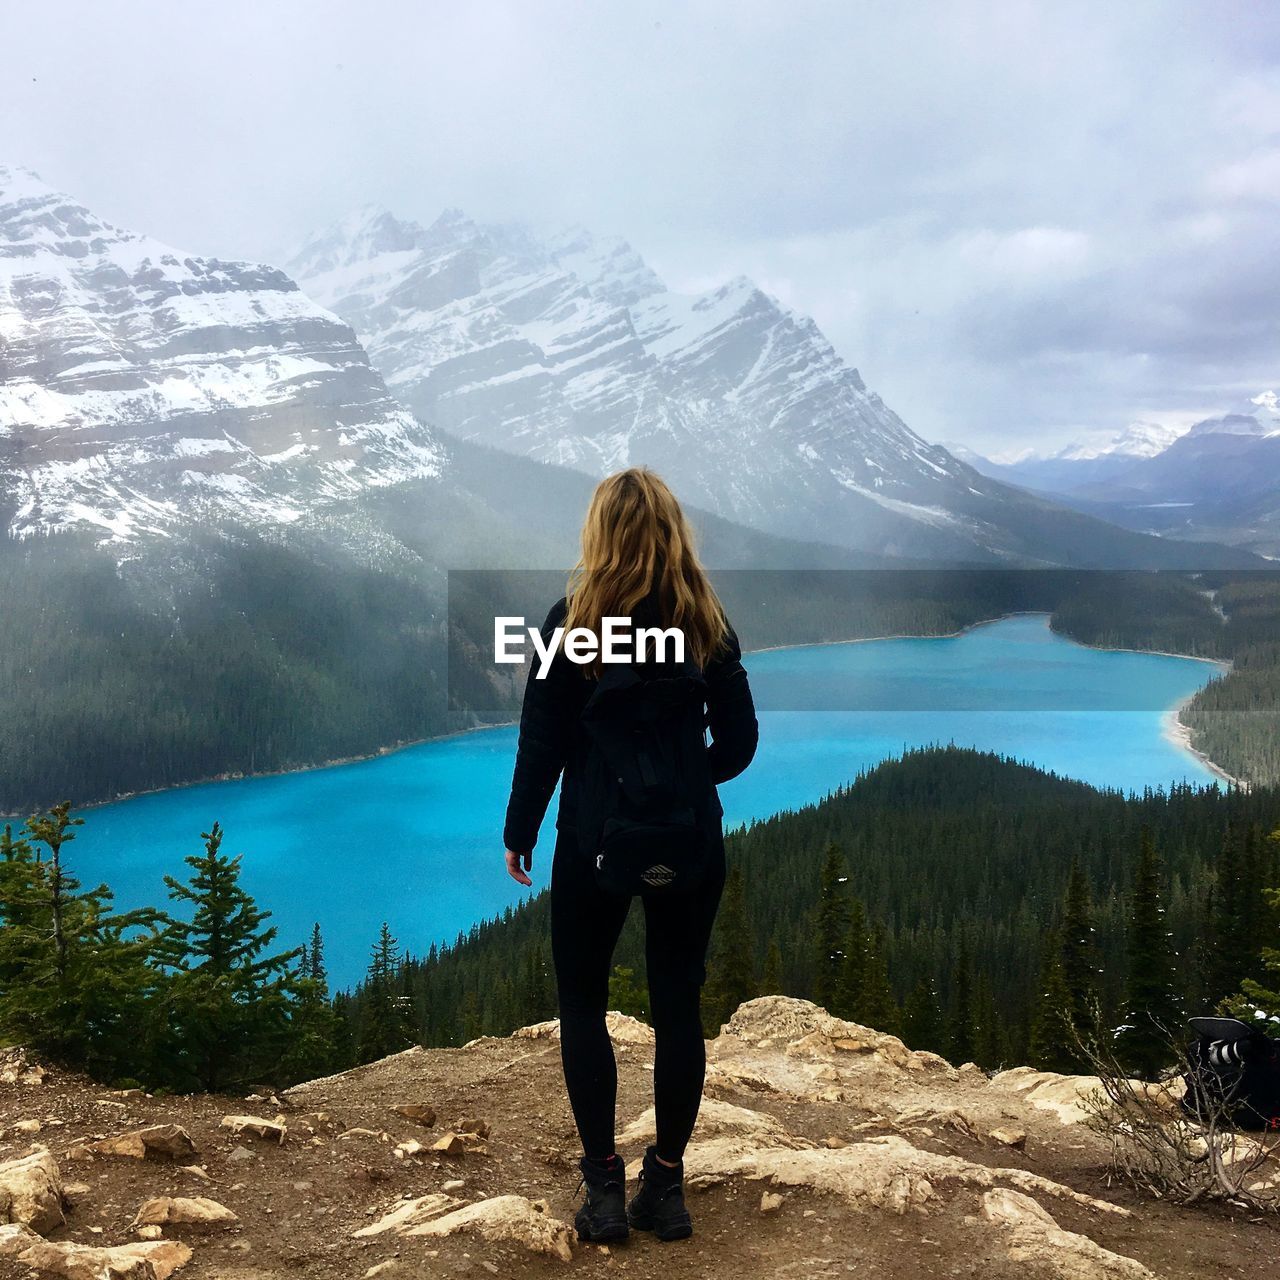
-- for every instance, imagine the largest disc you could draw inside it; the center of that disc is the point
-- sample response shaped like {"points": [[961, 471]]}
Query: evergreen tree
{"points": [[988, 1046], [732, 979], [922, 1018], [960, 1025], [386, 1024], [230, 998], [316, 1043], [771, 979], [626, 995], [1053, 1046], [1262, 995], [876, 1002], [851, 995], [831, 928], [1153, 1013], [74, 975], [1080, 958]]}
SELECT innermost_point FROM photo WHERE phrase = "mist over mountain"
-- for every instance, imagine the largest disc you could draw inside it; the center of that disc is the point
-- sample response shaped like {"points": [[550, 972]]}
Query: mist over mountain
{"points": [[570, 349]]}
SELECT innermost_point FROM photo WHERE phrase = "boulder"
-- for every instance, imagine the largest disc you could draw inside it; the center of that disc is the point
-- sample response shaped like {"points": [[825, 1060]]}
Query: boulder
{"points": [[449, 1144], [269, 1130], [1033, 1238], [31, 1191], [144, 1260], [190, 1211], [166, 1141], [15, 1237], [507, 1219], [714, 1116]]}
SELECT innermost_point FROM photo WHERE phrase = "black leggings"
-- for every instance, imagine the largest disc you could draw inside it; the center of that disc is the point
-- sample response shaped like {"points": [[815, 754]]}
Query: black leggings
{"points": [[585, 923]]}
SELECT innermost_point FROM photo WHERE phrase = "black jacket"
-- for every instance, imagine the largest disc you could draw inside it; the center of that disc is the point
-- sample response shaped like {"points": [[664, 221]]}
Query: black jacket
{"points": [[552, 739]]}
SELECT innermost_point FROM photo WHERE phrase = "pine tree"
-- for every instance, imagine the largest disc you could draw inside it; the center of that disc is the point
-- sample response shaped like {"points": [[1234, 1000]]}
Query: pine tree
{"points": [[732, 979], [831, 928], [1261, 996], [1153, 1014], [771, 979], [230, 998], [960, 1025], [75, 976], [385, 1023], [316, 1043], [1053, 1046], [626, 995], [987, 1042], [922, 1018], [851, 994], [1080, 959], [878, 1005]]}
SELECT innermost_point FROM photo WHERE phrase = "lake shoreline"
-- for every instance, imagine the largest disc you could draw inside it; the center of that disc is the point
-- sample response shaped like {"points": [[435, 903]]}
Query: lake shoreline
{"points": [[1173, 729]]}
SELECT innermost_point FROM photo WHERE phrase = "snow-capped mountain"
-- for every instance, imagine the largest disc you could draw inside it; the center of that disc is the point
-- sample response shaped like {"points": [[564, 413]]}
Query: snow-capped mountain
{"points": [[142, 388], [1137, 440], [1219, 480], [572, 350]]}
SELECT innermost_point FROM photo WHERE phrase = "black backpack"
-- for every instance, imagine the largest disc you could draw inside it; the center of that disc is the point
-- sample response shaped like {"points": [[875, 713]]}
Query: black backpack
{"points": [[647, 808], [1233, 1070]]}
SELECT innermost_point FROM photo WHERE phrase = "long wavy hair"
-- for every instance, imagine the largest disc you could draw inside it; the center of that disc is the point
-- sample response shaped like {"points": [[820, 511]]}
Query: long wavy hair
{"points": [[635, 540]]}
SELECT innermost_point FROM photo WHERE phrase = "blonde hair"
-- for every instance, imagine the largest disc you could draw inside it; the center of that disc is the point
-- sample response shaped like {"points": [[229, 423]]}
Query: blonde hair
{"points": [[635, 538]]}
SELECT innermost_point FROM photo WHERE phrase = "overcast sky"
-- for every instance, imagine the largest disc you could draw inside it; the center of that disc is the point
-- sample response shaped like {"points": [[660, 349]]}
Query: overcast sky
{"points": [[1023, 222]]}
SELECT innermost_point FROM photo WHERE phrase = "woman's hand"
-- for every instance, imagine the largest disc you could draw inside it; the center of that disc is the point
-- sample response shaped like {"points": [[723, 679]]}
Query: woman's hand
{"points": [[513, 866]]}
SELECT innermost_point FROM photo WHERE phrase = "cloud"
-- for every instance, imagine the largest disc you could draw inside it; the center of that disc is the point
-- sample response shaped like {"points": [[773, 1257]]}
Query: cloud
{"points": [[1019, 220]]}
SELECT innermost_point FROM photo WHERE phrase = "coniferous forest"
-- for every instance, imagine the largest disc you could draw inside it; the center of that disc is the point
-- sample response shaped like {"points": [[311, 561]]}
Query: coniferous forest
{"points": [[975, 906]]}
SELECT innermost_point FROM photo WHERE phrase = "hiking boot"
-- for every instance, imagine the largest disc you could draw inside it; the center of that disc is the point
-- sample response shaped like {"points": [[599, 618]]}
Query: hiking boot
{"points": [[603, 1216], [659, 1204]]}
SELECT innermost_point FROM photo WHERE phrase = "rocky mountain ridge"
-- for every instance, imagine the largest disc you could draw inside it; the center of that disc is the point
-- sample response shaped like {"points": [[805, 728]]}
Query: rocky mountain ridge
{"points": [[823, 1148], [142, 388], [571, 349]]}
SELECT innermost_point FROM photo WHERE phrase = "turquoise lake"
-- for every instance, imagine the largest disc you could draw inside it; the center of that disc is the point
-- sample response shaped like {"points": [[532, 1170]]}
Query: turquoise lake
{"points": [[414, 837]]}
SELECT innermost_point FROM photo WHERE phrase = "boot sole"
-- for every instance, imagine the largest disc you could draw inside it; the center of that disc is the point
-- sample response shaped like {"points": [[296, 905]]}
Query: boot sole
{"points": [[610, 1231], [680, 1230]]}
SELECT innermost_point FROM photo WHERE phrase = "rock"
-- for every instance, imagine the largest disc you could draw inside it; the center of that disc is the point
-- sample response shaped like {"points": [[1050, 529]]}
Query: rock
{"points": [[170, 1141], [409, 1213], [31, 1191], [883, 1173], [196, 1171], [623, 1029], [451, 1144], [149, 1233], [269, 1130], [238, 1155], [507, 1219], [15, 1237], [1010, 1137], [197, 1211], [714, 1117], [454, 1184], [478, 1127], [316, 1123], [942, 1117], [28, 1126], [378, 1135], [406, 1150], [145, 1260], [1033, 1237], [389, 1267], [418, 1112], [770, 1202]]}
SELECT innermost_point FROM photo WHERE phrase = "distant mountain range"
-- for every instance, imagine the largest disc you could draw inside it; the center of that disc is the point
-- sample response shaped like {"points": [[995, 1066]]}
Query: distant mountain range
{"points": [[570, 349], [144, 390], [1217, 481]]}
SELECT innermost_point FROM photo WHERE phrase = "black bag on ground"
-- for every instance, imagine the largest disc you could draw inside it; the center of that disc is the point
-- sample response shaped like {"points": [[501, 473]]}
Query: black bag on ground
{"points": [[647, 805], [1233, 1071]]}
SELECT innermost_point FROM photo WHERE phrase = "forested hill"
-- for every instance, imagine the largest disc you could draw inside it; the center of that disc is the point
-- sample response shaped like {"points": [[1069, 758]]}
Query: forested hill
{"points": [[938, 882]]}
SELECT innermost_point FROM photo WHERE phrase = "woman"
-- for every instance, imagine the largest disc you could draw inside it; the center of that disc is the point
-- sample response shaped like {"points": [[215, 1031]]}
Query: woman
{"points": [[637, 561]]}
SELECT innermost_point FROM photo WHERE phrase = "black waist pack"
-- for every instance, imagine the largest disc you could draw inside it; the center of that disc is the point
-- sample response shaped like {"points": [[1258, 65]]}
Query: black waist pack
{"points": [[647, 808]]}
